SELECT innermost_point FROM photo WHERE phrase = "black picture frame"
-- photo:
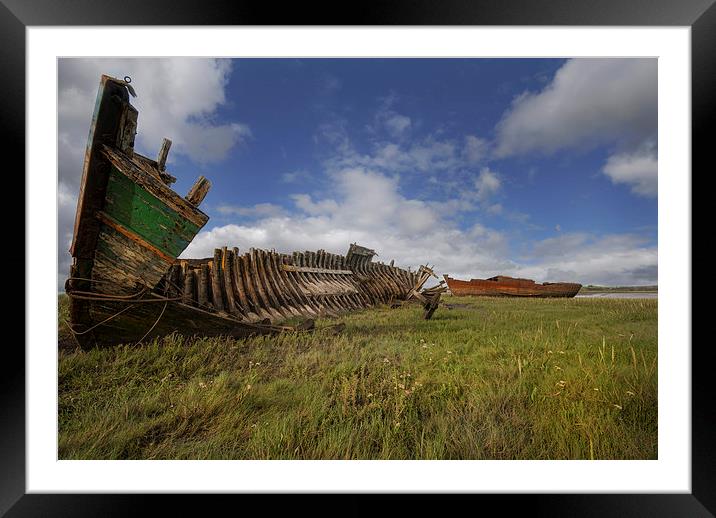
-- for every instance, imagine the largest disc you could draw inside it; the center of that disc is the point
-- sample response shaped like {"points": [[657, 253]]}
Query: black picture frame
{"points": [[700, 15]]}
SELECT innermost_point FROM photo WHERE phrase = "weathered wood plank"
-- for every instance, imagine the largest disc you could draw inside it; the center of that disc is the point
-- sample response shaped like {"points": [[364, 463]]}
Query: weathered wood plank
{"points": [[163, 154], [306, 269], [114, 224], [198, 191], [127, 129], [226, 264], [202, 289], [123, 262], [215, 270]]}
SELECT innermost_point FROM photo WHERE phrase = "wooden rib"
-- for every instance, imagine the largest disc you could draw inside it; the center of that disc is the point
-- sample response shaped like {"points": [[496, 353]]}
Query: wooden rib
{"points": [[268, 286], [396, 274], [324, 286], [260, 286], [226, 264], [327, 281], [369, 283], [358, 299], [216, 298], [250, 289], [282, 295], [342, 281], [395, 287], [305, 284], [217, 281], [391, 289], [240, 288], [314, 286], [202, 285], [339, 293], [348, 303], [295, 287], [242, 291], [282, 291]]}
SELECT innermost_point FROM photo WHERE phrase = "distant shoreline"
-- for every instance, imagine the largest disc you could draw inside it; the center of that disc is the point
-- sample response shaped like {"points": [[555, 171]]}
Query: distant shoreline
{"points": [[618, 289]]}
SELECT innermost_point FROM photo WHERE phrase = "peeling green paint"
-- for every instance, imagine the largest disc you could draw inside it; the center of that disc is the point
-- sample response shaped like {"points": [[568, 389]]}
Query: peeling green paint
{"points": [[144, 214]]}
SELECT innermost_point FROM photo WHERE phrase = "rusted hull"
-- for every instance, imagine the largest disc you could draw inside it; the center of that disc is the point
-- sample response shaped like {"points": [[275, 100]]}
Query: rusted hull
{"points": [[126, 284], [509, 287]]}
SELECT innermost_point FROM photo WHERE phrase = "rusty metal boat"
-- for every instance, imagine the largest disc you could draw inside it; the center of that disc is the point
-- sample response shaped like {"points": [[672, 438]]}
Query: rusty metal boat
{"points": [[126, 284], [504, 286]]}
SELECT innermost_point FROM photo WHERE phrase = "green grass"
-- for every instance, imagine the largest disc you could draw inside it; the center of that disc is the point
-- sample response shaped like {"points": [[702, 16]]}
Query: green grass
{"points": [[489, 379]]}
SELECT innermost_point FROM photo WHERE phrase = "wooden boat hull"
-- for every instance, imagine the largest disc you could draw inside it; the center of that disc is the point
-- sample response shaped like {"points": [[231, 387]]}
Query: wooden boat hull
{"points": [[126, 284], [503, 286]]}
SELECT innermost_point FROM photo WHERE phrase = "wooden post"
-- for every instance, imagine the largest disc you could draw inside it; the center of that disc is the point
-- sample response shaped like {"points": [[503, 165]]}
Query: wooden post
{"points": [[202, 289], [163, 153], [198, 191], [216, 281], [188, 295], [226, 264]]}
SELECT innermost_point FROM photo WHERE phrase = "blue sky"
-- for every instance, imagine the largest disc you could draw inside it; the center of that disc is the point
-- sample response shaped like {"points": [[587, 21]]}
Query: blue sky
{"points": [[544, 168]]}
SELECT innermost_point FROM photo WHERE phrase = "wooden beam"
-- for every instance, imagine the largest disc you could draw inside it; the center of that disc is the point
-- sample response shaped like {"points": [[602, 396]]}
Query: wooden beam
{"points": [[306, 269], [163, 154], [198, 191]]}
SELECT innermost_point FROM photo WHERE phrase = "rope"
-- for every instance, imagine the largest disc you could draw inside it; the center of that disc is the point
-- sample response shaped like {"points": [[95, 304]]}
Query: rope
{"points": [[127, 301], [98, 324], [106, 295], [155, 322]]}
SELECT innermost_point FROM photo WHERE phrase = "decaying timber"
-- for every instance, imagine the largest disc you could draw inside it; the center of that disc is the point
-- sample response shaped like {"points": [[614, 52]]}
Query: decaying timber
{"points": [[429, 298], [504, 286], [127, 285]]}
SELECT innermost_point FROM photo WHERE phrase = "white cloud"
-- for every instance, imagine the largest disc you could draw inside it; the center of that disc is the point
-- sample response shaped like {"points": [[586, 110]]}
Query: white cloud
{"points": [[589, 101], [617, 259], [426, 155], [495, 208], [387, 119], [366, 206], [637, 169], [258, 210], [295, 176], [177, 98], [397, 124], [476, 149], [307, 205], [487, 184]]}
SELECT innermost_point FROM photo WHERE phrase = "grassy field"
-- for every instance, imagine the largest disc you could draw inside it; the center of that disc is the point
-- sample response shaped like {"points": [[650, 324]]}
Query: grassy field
{"points": [[487, 379]]}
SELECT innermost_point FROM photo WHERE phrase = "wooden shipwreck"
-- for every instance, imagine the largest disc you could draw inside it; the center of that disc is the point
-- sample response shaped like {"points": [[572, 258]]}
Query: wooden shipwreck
{"points": [[504, 286], [126, 284]]}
